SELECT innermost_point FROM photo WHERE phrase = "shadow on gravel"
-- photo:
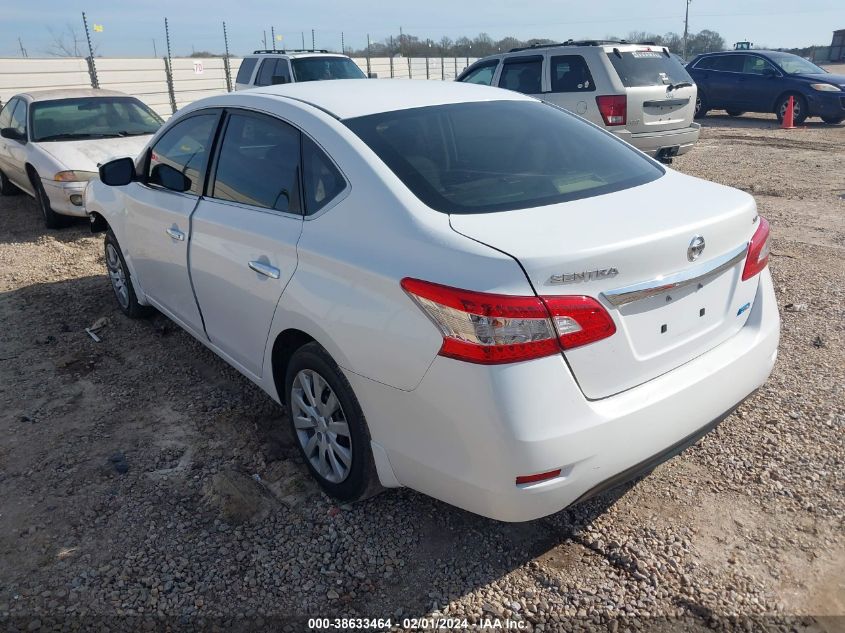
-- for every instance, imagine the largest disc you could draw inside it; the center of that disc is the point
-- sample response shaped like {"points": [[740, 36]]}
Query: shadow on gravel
{"points": [[723, 121], [21, 221]]}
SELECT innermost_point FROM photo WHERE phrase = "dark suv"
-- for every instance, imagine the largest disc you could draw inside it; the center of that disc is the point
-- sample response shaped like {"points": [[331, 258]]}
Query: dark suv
{"points": [[763, 81]]}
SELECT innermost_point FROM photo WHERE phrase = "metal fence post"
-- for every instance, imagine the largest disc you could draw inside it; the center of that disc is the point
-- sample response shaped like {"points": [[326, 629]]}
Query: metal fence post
{"points": [[456, 67], [427, 75], [410, 76], [169, 69], [442, 69], [92, 68], [369, 70], [226, 66], [391, 67]]}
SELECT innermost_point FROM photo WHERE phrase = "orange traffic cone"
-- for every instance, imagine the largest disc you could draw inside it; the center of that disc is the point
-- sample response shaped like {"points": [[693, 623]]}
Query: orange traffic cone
{"points": [[788, 123]]}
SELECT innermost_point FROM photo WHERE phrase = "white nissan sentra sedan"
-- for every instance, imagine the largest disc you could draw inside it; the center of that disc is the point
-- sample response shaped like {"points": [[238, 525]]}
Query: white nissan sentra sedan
{"points": [[453, 288]]}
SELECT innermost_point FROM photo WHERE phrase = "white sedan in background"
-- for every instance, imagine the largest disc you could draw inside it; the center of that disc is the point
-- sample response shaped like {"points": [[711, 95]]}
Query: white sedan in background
{"points": [[52, 141], [454, 288]]}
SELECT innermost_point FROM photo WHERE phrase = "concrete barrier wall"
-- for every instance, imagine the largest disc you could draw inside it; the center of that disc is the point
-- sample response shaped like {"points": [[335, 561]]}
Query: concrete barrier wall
{"points": [[193, 78]]}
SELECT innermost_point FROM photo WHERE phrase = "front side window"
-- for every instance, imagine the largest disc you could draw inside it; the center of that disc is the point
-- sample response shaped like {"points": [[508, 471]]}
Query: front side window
{"points": [[18, 120], [245, 71], [183, 149], [705, 63], [322, 68], [481, 74], [6, 113], [258, 163], [647, 68], [754, 65], [570, 74], [492, 156], [323, 182], [522, 74], [92, 117]]}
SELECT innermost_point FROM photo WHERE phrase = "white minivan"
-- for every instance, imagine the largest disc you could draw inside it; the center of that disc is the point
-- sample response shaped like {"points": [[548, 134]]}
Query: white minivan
{"points": [[640, 92]]}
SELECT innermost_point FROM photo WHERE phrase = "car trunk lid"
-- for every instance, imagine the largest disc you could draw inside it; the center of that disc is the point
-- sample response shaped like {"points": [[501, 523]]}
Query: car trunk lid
{"points": [[641, 238]]}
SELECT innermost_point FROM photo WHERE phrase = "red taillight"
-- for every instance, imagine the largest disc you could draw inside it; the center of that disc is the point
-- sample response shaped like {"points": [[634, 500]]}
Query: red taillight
{"points": [[613, 108], [533, 479], [579, 320], [758, 251], [490, 329]]}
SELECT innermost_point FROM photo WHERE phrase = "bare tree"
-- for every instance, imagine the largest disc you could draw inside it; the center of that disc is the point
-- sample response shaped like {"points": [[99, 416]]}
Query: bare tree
{"points": [[68, 42]]}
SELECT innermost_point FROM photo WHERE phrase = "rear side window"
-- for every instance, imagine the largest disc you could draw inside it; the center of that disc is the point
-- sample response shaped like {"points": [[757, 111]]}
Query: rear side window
{"points": [[481, 74], [728, 63], [570, 74], [522, 74], [245, 71], [258, 163], [322, 180], [647, 68], [491, 156], [183, 148]]}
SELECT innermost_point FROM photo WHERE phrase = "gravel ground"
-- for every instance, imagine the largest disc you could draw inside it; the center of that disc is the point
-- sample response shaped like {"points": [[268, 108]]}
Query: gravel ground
{"points": [[145, 483]]}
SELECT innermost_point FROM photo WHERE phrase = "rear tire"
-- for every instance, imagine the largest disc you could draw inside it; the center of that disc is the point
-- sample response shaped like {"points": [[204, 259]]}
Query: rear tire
{"points": [[121, 280], [52, 220], [329, 425], [833, 120], [735, 112], [6, 186], [701, 106], [799, 113]]}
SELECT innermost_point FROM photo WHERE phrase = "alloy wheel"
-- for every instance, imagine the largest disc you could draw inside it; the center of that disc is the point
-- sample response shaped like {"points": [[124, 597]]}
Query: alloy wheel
{"points": [[796, 108], [321, 426], [117, 276]]}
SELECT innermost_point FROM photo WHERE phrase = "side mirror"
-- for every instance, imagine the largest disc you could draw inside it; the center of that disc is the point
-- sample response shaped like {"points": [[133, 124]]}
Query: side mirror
{"points": [[372, 75], [278, 79], [170, 178], [118, 172], [13, 134]]}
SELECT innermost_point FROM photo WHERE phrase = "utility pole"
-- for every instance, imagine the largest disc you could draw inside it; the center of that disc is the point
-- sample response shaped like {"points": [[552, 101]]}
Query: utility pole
{"points": [[686, 29]]}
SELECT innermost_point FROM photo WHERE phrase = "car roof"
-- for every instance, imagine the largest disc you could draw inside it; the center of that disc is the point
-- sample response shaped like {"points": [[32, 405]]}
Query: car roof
{"points": [[345, 100], [70, 93], [296, 54]]}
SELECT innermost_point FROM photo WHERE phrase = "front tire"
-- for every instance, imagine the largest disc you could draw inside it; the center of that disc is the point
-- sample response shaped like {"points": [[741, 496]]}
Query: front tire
{"points": [[52, 220], [121, 280], [799, 112], [6, 186], [329, 425]]}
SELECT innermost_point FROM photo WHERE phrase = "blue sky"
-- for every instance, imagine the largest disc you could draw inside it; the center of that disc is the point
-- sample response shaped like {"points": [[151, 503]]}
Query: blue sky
{"points": [[130, 27]]}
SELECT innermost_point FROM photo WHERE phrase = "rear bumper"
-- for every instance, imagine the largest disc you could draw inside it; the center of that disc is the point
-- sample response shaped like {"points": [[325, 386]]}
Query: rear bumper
{"points": [[66, 197], [467, 431], [652, 142]]}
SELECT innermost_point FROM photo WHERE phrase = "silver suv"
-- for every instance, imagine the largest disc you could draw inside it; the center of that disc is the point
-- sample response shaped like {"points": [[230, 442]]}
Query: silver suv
{"points": [[268, 68], [640, 92]]}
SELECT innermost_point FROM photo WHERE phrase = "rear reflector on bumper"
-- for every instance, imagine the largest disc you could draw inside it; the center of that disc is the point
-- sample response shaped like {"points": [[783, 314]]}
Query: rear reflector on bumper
{"points": [[533, 479], [489, 329]]}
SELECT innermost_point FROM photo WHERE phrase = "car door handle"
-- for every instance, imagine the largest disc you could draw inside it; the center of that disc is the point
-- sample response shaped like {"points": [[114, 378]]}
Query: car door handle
{"points": [[176, 234], [265, 269]]}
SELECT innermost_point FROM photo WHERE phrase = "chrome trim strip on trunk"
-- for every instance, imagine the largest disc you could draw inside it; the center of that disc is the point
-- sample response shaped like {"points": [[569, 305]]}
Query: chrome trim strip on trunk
{"points": [[699, 274]]}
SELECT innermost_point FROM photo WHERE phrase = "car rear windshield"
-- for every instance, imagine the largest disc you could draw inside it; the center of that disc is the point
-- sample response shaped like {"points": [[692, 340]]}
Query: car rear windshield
{"points": [[92, 117], [500, 155], [647, 68], [320, 68]]}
